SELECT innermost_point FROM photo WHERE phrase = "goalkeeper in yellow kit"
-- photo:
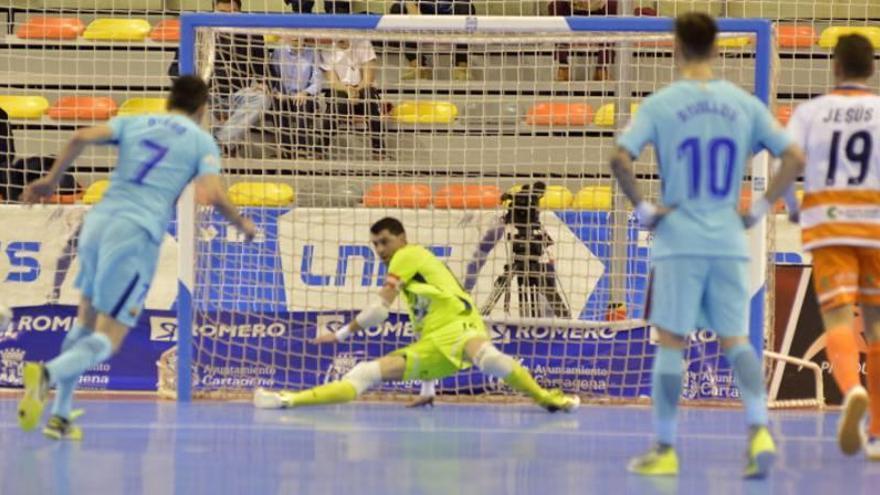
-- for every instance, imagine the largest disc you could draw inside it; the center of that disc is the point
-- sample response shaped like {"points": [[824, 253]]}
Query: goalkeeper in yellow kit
{"points": [[451, 333]]}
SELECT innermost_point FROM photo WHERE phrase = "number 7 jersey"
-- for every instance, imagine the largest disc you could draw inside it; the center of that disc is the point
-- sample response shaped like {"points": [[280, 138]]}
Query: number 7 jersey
{"points": [[158, 156], [839, 133]]}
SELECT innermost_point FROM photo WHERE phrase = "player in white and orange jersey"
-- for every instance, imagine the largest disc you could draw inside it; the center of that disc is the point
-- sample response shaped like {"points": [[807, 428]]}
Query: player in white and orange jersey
{"points": [[840, 217]]}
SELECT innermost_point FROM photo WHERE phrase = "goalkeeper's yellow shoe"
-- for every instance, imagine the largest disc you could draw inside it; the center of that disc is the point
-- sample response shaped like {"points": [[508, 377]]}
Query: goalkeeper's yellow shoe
{"points": [[556, 400], [761, 454], [36, 389], [659, 461], [58, 428]]}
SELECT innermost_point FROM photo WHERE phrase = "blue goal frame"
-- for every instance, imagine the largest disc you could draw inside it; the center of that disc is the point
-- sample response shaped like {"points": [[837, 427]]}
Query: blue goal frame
{"points": [[761, 28]]}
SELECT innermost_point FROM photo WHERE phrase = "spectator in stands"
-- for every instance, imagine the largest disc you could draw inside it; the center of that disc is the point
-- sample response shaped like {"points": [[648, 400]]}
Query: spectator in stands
{"points": [[330, 6], [239, 95], [605, 56], [418, 64], [300, 81], [350, 70]]}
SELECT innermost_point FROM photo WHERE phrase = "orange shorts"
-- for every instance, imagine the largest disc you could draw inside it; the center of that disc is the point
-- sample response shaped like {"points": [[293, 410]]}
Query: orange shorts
{"points": [[846, 275]]}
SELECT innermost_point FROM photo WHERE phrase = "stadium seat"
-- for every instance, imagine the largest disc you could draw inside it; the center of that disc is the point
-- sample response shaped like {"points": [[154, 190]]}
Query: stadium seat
{"points": [[95, 191], [137, 106], [783, 113], [393, 195], [66, 199], [573, 114], [556, 198], [24, 107], [469, 196], [606, 116], [593, 198], [424, 112], [117, 30], [83, 108], [799, 36], [51, 28], [261, 194], [735, 42], [829, 37], [166, 30]]}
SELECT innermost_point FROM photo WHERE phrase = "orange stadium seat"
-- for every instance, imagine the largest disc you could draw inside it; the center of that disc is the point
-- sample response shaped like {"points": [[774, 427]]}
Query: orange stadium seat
{"points": [[392, 195], [574, 114], [66, 199], [470, 196], [800, 36], [83, 108], [52, 28], [166, 30]]}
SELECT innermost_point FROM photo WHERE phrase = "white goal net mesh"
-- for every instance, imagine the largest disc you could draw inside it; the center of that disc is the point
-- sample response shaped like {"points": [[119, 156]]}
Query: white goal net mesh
{"points": [[328, 131]]}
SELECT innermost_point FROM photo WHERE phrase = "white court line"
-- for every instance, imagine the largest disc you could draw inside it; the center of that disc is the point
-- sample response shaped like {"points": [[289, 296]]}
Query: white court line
{"points": [[359, 429]]}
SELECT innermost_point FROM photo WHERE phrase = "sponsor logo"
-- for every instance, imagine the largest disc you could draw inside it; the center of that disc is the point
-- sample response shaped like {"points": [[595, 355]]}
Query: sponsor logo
{"points": [[372, 273], [164, 329], [709, 384], [236, 376], [329, 323], [45, 323], [343, 363], [11, 365]]}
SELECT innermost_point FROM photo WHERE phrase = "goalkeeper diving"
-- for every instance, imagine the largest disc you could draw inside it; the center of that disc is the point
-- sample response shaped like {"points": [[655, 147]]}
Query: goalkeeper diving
{"points": [[451, 333]]}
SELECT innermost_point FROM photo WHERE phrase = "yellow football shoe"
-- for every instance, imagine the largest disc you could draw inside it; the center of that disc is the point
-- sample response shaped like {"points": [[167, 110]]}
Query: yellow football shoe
{"points": [[659, 461], [761, 454], [36, 389], [58, 428]]}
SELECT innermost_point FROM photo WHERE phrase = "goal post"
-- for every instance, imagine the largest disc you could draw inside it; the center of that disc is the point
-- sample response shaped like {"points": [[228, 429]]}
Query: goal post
{"points": [[495, 137]]}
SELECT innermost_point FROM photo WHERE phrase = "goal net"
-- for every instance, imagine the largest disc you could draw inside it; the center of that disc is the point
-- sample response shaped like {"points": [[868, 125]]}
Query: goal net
{"points": [[462, 129]]}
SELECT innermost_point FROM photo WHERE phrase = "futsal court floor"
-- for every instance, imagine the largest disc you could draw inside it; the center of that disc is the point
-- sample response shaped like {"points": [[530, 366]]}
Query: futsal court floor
{"points": [[148, 447]]}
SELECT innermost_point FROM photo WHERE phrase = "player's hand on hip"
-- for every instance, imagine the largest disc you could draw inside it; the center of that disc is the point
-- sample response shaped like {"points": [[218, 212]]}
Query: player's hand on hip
{"points": [[749, 220], [650, 215], [325, 338], [38, 190]]}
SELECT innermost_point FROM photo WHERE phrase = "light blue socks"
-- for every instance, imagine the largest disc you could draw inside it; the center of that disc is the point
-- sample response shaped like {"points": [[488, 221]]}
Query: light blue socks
{"points": [[64, 389], [750, 380], [665, 392], [85, 352]]}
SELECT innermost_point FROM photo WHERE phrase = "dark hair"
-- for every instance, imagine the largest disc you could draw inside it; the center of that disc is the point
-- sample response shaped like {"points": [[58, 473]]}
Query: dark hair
{"points": [[392, 225], [188, 94], [696, 33], [236, 2], [855, 55]]}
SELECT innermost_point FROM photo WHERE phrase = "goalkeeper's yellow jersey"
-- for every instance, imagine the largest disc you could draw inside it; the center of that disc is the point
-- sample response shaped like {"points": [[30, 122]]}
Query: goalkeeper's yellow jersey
{"points": [[434, 297]]}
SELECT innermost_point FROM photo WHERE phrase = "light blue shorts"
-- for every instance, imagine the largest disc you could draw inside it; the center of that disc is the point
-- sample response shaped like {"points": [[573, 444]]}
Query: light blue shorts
{"points": [[691, 292], [117, 260]]}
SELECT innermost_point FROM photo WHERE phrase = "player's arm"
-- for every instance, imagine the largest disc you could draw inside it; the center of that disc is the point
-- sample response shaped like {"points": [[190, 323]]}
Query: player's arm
{"points": [[210, 191], [370, 317], [779, 143], [45, 186], [634, 138]]}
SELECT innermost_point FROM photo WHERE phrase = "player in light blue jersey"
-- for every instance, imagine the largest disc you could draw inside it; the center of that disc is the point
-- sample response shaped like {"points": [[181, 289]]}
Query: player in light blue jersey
{"points": [[119, 244], [703, 131]]}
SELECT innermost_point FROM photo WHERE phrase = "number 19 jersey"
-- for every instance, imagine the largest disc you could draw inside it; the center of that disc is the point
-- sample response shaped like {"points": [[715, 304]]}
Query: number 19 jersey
{"points": [[158, 156], [703, 133], [839, 133]]}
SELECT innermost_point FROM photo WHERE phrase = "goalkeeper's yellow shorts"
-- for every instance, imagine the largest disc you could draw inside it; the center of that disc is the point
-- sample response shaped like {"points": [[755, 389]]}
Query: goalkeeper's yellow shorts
{"points": [[440, 353]]}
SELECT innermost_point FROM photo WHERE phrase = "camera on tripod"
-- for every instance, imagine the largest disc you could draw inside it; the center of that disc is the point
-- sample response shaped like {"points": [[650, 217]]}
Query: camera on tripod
{"points": [[528, 261]]}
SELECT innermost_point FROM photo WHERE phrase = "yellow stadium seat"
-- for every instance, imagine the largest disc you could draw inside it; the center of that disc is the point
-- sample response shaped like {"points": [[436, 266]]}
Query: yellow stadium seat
{"points": [[261, 194], [734, 42], [271, 39], [593, 198], [829, 37], [425, 112], [117, 30], [95, 192], [24, 107], [556, 198], [606, 115], [137, 106]]}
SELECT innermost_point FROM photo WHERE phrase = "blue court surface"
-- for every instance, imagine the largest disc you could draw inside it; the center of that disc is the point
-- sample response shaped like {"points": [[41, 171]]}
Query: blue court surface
{"points": [[134, 447]]}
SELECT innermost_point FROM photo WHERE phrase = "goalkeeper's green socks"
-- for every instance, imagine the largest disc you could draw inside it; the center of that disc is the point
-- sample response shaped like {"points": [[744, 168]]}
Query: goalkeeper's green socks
{"points": [[331, 393], [521, 380]]}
